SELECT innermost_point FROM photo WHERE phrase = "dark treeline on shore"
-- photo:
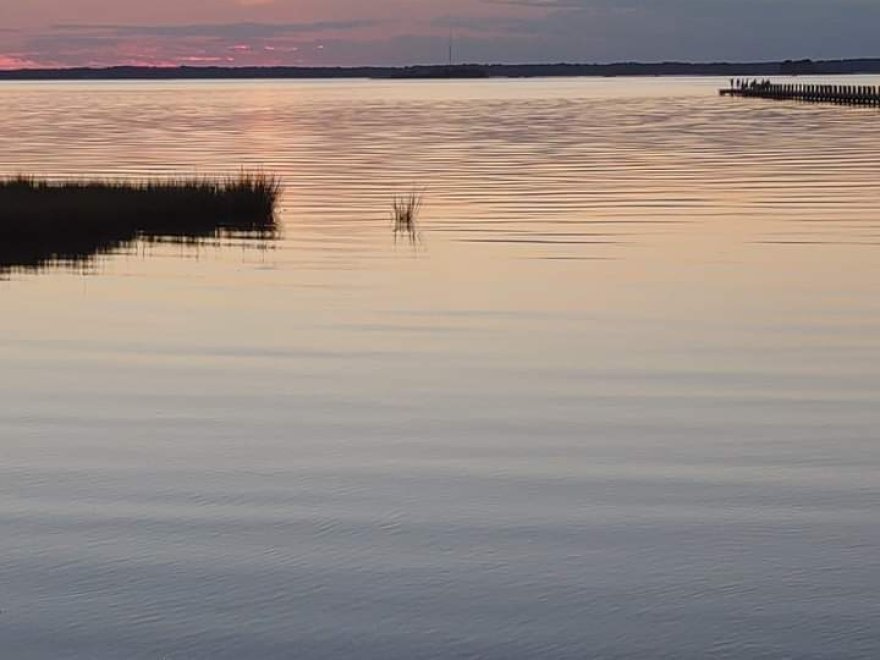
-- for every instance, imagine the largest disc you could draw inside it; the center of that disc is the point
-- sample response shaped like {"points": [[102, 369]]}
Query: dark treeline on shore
{"points": [[788, 67]]}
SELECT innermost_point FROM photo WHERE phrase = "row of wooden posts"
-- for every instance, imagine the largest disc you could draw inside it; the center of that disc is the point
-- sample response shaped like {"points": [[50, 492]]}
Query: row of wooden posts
{"points": [[841, 94]]}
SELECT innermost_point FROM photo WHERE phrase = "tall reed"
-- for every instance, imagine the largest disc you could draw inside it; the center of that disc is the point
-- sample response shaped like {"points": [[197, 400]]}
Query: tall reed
{"points": [[43, 220], [404, 215]]}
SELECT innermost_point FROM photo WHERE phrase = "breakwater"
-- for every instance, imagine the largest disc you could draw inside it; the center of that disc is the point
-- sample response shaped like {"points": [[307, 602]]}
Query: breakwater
{"points": [[808, 93]]}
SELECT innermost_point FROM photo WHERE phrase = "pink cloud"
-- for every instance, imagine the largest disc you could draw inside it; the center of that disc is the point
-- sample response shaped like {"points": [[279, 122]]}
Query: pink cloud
{"points": [[16, 62], [78, 32]]}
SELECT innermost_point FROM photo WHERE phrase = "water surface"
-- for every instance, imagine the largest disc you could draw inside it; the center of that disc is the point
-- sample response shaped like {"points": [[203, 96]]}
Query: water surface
{"points": [[620, 401]]}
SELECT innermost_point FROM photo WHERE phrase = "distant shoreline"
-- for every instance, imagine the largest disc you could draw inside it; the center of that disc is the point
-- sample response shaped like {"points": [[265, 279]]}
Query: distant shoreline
{"points": [[788, 67]]}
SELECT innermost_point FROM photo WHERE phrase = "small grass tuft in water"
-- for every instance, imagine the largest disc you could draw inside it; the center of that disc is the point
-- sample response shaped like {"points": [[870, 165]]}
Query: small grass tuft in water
{"points": [[42, 221], [404, 215]]}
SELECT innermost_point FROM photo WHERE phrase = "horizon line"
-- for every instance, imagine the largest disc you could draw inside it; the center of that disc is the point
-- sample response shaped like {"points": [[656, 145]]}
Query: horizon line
{"points": [[234, 67]]}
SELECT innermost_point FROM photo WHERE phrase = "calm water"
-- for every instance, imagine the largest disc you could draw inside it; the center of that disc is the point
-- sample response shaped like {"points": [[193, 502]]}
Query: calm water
{"points": [[621, 401]]}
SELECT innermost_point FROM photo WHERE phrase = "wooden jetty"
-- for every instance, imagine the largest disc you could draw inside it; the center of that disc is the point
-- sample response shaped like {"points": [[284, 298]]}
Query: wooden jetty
{"points": [[839, 94]]}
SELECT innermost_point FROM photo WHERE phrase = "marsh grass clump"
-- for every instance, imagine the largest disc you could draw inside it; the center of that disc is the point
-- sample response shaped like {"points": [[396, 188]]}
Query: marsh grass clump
{"points": [[404, 216], [44, 221]]}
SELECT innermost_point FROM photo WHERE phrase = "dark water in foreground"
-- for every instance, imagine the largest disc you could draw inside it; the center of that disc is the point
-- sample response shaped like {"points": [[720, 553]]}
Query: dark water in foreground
{"points": [[622, 401]]}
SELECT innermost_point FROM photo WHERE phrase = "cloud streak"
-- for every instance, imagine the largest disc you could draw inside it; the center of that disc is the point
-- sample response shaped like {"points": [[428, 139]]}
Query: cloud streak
{"points": [[244, 30]]}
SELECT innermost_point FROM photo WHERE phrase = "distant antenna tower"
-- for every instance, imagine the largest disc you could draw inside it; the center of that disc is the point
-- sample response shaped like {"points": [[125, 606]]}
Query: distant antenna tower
{"points": [[450, 46]]}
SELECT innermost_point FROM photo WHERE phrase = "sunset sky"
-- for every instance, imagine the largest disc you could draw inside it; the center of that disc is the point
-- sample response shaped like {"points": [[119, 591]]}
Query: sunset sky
{"points": [[347, 32]]}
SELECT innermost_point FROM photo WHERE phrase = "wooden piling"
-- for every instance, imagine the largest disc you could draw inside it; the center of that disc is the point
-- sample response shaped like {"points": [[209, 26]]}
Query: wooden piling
{"points": [[840, 94]]}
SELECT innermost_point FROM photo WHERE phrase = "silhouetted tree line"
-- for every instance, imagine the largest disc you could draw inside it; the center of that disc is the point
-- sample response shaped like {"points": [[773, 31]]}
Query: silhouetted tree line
{"points": [[788, 67]]}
